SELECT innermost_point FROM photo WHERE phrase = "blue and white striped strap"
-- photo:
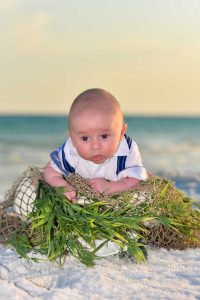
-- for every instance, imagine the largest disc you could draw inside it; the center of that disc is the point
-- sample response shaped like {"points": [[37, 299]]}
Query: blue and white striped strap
{"points": [[58, 157], [121, 160]]}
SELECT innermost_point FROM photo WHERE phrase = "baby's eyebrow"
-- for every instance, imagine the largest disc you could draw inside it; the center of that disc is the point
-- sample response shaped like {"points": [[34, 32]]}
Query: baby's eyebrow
{"points": [[103, 131], [81, 133], [106, 130]]}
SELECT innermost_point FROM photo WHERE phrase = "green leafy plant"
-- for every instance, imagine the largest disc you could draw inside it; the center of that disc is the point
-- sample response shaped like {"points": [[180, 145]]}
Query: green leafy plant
{"points": [[56, 227]]}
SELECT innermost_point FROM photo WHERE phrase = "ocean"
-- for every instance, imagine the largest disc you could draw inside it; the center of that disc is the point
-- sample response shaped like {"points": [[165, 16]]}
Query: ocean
{"points": [[170, 146]]}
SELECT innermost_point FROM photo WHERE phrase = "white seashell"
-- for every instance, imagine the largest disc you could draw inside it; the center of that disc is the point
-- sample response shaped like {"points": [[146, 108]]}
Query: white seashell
{"points": [[83, 200], [24, 197], [23, 188], [29, 192], [107, 249]]}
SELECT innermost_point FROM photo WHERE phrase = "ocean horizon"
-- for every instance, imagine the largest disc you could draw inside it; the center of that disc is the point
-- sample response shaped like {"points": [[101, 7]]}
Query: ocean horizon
{"points": [[169, 145]]}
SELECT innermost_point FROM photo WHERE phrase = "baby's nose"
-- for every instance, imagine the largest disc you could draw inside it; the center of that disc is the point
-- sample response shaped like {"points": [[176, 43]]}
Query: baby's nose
{"points": [[95, 144]]}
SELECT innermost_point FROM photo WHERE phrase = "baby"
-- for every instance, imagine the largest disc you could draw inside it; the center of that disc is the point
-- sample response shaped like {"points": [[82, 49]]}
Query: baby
{"points": [[97, 148]]}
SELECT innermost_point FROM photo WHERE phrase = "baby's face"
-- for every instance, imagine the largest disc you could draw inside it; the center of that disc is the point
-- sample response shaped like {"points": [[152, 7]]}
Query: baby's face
{"points": [[96, 137]]}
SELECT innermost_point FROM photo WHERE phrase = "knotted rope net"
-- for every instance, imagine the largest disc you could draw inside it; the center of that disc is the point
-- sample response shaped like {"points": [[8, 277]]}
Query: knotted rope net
{"points": [[155, 195]]}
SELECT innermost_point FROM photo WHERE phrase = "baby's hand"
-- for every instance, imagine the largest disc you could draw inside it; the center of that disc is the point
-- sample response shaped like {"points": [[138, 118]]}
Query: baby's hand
{"points": [[70, 194], [100, 185]]}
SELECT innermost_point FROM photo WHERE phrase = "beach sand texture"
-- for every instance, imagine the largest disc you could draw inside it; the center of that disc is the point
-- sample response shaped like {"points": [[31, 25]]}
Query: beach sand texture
{"points": [[167, 275]]}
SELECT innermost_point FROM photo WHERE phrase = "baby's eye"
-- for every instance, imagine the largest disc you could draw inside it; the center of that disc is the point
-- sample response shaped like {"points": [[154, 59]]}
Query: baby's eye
{"points": [[104, 136], [84, 138]]}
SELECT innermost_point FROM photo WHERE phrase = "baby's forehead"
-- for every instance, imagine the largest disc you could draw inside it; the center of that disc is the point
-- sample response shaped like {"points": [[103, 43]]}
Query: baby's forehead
{"points": [[92, 103], [101, 114], [93, 123]]}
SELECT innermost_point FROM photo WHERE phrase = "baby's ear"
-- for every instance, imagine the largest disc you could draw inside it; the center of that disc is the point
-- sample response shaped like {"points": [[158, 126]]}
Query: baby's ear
{"points": [[124, 128]]}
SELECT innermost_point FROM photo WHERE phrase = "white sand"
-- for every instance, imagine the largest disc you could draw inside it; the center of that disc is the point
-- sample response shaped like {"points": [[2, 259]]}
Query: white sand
{"points": [[167, 275]]}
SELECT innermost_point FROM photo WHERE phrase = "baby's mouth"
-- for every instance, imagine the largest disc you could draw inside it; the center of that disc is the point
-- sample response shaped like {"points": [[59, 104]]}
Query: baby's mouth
{"points": [[97, 159]]}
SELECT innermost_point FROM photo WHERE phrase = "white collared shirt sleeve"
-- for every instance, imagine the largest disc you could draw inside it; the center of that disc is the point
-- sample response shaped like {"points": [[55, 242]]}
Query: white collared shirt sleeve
{"points": [[63, 159], [133, 165]]}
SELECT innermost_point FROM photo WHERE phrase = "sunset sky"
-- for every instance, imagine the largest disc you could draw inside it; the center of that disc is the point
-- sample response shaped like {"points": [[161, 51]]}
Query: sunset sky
{"points": [[145, 52]]}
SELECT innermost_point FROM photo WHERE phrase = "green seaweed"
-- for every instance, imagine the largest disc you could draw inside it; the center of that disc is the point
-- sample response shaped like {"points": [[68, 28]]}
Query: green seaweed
{"points": [[56, 226]]}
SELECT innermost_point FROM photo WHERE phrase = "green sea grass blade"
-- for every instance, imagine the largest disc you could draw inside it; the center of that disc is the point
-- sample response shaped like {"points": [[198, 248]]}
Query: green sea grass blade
{"points": [[135, 251], [22, 245], [164, 191]]}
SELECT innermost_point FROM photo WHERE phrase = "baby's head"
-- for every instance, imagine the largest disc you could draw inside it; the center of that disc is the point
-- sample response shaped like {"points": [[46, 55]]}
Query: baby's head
{"points": [[96, 125]]}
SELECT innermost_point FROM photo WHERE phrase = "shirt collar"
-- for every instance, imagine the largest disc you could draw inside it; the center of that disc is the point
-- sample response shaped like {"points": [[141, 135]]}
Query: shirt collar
{"points": [[72, 149]]}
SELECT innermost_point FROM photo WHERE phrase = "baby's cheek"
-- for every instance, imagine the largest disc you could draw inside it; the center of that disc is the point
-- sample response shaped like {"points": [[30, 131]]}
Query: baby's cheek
{"points": [[112, 149], [83, 151]]}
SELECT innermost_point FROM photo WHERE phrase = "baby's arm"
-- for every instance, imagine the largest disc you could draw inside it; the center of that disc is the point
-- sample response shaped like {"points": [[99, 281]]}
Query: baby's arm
{"points": [[56, 179], [112, 187]]}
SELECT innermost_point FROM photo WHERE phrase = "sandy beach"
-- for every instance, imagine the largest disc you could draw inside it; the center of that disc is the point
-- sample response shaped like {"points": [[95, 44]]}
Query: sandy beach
{"points": [[166, 275]]}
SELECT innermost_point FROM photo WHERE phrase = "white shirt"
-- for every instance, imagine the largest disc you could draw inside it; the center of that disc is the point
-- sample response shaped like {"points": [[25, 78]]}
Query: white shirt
{"points": [[126, 162]]}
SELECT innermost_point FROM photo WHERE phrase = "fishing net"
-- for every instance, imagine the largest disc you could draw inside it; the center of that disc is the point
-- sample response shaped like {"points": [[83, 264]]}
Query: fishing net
{"points": [[8, 224], [160, 197], [173, 223], [18, 202]]}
